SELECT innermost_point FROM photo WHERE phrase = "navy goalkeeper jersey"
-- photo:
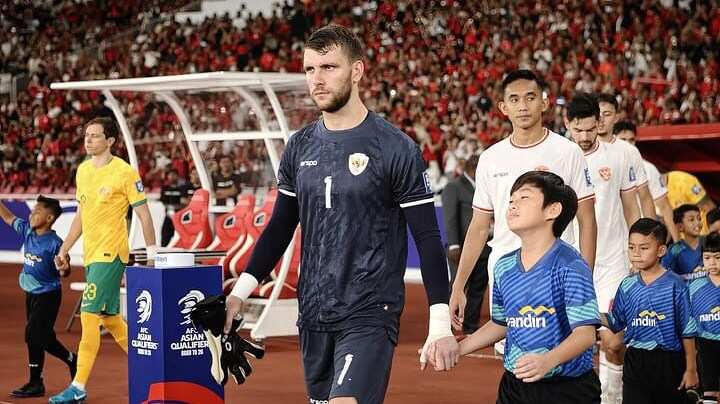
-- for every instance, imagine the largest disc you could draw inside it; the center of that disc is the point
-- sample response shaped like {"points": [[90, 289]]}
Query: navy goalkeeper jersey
{"points": [[351, 186]]}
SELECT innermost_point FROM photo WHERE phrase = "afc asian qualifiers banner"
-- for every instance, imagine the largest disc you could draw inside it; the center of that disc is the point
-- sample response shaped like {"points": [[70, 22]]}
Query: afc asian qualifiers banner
{"points": [[168, 359]]}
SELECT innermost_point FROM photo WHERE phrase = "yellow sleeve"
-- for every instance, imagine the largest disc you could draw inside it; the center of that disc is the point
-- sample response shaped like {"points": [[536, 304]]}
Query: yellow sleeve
{"points": [[134, 189], [694, 190]]}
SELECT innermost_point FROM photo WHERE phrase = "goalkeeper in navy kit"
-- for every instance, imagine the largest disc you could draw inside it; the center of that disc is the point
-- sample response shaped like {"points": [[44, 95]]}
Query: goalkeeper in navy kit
{"points": [[353, 182]]}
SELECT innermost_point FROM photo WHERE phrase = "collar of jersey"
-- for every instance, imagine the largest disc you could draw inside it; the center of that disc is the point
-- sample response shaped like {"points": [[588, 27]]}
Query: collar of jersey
{"points": [[331, 134], [541, 262]]}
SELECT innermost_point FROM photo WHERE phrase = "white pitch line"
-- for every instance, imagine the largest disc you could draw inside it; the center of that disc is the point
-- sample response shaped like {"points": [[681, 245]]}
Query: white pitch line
{"points": [[485, 356]]}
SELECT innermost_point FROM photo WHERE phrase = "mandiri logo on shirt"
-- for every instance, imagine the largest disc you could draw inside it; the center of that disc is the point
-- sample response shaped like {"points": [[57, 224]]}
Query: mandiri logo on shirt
{"points": [[714, 315], [531, 317], [647, 318]]}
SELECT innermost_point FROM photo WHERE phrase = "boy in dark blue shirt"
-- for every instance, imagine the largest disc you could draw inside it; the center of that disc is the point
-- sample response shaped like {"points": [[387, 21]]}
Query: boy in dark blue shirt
{"points": [[543, 302], [685, 256], [705, 301], [652, 306], [41, 282]]}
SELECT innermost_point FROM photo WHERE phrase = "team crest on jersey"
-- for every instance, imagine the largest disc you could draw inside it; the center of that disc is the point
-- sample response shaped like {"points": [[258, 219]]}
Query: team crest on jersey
{"points": [[139, 186], [588, 180], [357, 162], [633, 177], [605, 173], [696, 189]]}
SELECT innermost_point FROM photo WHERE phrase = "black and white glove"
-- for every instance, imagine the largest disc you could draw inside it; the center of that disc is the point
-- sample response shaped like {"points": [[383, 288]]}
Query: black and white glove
{"points": [[228, 351]]}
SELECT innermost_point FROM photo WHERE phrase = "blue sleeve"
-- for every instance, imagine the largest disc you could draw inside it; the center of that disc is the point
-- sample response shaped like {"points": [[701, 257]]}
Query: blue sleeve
{"points": [[497, 312], [686, 324], [408, 179], [616, 316], [287, 169], [580, 301], [22, 227], [669, 261]]}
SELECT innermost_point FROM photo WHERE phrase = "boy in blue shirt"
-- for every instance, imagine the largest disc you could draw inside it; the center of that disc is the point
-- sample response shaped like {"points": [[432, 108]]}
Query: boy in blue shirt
{"points": [[705, 301], [41, 282], [543, 302], [685, 256], [652, 306]]}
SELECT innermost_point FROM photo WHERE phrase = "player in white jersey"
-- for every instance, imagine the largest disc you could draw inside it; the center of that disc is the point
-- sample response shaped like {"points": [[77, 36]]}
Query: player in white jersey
{"points": [[615, 209], [608, 117], [627, 131], [529, 147]]}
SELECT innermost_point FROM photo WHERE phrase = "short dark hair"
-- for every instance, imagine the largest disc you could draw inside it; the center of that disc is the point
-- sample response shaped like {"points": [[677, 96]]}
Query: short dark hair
{"points": [[713, 216], [680, 211], [330, 36], [521, 74], [647, 227], [110, 128], [52, 204], [554, 190], [609, 98], [712, 243], [624, 125], [582, 105], [472, 161]]}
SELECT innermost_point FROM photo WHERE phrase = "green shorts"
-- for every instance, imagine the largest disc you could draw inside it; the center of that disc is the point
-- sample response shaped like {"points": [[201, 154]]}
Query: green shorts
{"points": [[102, 293]]}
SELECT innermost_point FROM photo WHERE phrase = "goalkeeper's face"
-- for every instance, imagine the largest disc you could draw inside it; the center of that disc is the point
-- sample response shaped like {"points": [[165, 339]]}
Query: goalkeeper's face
{"points": [[95, 141], [331, 77]]}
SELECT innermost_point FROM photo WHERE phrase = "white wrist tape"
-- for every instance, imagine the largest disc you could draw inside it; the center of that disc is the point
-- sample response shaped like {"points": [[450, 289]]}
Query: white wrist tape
{"points": [[244, 286], [439, 325]]}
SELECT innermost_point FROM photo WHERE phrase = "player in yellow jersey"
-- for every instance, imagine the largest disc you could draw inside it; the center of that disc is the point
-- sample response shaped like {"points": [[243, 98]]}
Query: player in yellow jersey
{"points": [[106, 186], [685, 188]]}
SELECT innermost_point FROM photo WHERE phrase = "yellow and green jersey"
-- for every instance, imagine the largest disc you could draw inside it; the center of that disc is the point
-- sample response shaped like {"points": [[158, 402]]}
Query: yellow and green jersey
{"points": [[104, 195]]}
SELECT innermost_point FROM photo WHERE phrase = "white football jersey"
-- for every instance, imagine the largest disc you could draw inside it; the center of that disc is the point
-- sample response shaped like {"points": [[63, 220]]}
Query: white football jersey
{"points": [[501, 164], [636, 160], [656, 184], [610, 172]]}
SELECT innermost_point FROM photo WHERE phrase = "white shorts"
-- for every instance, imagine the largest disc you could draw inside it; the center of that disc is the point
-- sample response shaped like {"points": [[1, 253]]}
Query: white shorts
{"points": [[606, 280]]}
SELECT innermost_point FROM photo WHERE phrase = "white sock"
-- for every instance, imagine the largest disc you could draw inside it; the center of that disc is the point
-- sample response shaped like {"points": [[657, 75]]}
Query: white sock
{"points": [[614, 383], [79, 385], [603, 374]]}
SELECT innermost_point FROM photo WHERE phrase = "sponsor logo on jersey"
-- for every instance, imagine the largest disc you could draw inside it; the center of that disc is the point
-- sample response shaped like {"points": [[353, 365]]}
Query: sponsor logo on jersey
{"points": [[308, 163], [502, 174], [144, 306], [104, 191], [357, 162], [632, 175], [647, 318], [31, 259], [605, 173], [531, 317], [714, 315]]}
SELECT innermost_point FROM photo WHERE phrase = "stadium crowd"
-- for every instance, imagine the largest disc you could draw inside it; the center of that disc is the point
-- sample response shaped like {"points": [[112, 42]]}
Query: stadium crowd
{"points": [[434, 69]]}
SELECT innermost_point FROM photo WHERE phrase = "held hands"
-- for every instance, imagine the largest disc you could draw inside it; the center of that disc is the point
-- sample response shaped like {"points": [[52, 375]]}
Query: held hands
{"points": [[532, 367], [440, 348], [443, 354], [62, 263]]}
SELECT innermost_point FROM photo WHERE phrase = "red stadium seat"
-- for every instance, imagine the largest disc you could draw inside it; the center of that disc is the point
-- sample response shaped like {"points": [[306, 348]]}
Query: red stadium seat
{"points": [[230, 229], [238, 258], [192, 224]]}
